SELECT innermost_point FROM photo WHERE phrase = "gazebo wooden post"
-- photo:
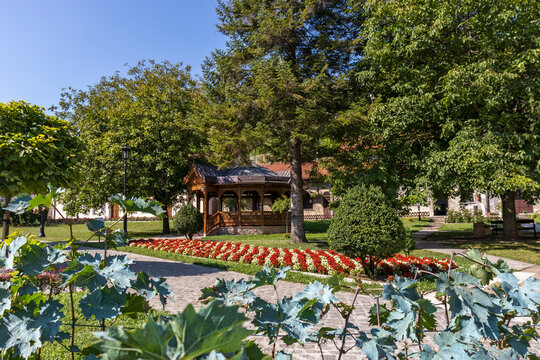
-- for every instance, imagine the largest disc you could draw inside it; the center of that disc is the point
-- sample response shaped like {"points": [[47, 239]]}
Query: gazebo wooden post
{"points": [[239, 197], [261, 201], [205, 210], [219, 193], [219, 208]]}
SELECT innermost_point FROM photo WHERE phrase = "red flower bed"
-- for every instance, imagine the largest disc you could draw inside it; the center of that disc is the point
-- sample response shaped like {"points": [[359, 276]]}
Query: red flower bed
{"points": [[316, 261]]}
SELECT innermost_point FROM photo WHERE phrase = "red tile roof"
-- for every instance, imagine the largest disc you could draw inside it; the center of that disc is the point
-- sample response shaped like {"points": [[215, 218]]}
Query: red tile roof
{"points": [[281, 167]]}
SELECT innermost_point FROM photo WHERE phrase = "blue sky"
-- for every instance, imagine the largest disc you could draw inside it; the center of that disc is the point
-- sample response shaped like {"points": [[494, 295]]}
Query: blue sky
{"points": [[47, 45]]}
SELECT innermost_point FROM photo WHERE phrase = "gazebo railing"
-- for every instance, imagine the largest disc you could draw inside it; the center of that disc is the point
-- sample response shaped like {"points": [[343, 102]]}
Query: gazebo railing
{"points": [[244, 218]]}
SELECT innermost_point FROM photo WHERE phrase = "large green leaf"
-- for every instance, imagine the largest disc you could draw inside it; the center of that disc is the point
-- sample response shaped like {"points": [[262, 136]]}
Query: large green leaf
{"points": [[134, 305], [270, 275], [149, 287], [45, 200], [5, 297], [19, 205], [152, 341], [214, 327], [87, 271], [37, 258], [214, 330], [231, 292], [96, 225], [26, 330], [103, 303], [138, 205], [8, 252]]}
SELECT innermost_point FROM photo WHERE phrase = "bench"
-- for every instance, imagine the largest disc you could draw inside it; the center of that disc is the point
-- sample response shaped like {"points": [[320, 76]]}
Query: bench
{"points": [[497, 226]]}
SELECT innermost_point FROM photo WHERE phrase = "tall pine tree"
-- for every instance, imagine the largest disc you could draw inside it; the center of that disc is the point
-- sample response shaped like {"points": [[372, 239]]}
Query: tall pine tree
{"points": [[275, 87]]}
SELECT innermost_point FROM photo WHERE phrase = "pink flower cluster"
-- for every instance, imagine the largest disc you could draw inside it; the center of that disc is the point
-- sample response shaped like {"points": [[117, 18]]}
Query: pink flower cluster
{"points": [[315, 261]]}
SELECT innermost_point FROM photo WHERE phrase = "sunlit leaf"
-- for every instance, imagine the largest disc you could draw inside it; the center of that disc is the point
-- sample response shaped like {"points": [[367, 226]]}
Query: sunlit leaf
{"points": [[138, 205]]}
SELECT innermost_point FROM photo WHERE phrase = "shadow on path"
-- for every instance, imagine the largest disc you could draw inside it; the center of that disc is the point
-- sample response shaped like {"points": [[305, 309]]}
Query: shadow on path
{"points": [[157, 268]]}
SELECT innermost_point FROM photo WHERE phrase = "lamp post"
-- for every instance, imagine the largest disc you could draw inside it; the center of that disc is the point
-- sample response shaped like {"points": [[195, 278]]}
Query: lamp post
{"points": [[125, 155], [42, 218]]}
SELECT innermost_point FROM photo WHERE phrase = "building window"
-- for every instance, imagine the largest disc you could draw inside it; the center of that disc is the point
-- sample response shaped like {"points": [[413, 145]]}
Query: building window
{"points": [[308, 202]]}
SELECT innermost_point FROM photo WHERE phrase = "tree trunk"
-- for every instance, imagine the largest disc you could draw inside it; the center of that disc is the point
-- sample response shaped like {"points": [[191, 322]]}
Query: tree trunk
{"points": [[166, 227], [5, 219], [509, 216], [297, 191]]}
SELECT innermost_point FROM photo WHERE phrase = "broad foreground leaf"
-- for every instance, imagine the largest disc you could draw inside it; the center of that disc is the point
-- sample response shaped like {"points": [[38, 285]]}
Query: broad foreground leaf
{"points": [[208, 334]]}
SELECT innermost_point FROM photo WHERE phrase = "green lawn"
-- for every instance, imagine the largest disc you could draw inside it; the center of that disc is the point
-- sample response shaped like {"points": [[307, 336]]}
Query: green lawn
{"points": [[315, 234], [457, 227], [60, 232], [83, 335], [526, 250], [414, 224], [461, 236]]}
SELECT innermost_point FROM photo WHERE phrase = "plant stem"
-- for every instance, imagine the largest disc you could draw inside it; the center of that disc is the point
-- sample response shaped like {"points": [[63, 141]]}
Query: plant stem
{"points": [[341, 350], [450, 266], [378, 314], [73, 320], [106, 243], [446, 311], [320, 349]]}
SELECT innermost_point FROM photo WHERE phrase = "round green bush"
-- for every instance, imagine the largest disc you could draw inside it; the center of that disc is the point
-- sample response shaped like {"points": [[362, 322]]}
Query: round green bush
{"points": [[366, 225], [188, 221]]}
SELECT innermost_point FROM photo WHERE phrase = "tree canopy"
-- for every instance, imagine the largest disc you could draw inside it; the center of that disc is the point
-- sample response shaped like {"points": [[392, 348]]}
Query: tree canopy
{"points": [[452, 98], [147, 110], [36, 150], [274, 88]]}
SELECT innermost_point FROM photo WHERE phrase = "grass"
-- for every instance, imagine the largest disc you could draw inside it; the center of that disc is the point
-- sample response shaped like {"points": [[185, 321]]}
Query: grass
{"points": [[457, 227], [414, 224], [315, 235], [60, 232], [527, 251], [461, 236], [315, 232], [83, 335]]}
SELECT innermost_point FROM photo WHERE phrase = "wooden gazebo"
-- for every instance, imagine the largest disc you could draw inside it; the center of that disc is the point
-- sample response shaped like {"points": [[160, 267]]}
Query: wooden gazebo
{"points": [[237, 200]]}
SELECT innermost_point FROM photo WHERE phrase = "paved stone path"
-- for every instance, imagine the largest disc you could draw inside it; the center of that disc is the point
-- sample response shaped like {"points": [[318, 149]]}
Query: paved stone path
{"points": [[187, 280]]}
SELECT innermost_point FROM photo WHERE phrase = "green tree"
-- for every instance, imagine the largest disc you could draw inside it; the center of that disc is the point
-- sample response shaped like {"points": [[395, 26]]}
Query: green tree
{"points": [[188, 221], [274, 88], [35, 150], [366, 225], [455, 98], [146, 110]]}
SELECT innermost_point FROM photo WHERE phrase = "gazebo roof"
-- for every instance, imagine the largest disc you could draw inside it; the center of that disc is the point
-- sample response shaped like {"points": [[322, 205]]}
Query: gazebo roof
{"points": [[239, 174]]}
